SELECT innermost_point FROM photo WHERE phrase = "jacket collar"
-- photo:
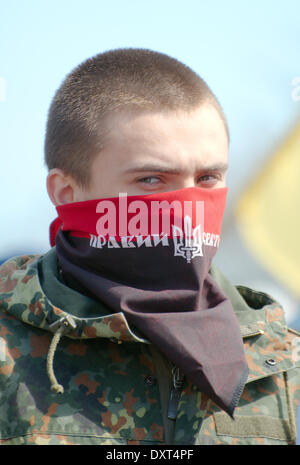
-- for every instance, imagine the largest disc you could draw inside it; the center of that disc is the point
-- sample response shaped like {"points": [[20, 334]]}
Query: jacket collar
{"points": [[46, 300]]}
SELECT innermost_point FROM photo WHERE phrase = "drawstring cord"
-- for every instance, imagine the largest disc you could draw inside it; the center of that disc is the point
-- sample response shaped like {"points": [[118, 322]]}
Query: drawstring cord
{"points": [[61, 327], [292, 420]]}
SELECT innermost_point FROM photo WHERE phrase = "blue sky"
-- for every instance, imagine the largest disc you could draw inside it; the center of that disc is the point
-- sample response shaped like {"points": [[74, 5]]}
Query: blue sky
{"points": [[248, 52]]}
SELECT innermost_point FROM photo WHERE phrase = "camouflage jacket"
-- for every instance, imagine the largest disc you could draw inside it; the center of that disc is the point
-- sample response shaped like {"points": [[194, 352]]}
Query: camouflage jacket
{"points": [[116, 385]]}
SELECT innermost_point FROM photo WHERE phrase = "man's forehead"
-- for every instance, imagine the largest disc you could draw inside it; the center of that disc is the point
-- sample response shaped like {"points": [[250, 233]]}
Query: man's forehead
{"points": [[125, 122], [174, 143]]}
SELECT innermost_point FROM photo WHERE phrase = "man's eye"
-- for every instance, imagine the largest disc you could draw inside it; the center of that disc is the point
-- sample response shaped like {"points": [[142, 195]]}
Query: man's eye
{"points": [[208, 178], [148, 179]]}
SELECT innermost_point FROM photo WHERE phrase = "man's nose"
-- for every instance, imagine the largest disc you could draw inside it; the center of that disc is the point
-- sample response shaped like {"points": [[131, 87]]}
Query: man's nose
{"points": [[189, 181]]}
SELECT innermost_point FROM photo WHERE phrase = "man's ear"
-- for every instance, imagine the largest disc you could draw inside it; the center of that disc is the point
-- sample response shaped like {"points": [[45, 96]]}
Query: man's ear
{"points": [[60, 187]]}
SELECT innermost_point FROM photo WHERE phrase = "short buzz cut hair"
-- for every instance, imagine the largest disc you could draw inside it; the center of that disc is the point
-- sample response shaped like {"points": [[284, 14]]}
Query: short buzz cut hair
{"points": [[122, 79]]}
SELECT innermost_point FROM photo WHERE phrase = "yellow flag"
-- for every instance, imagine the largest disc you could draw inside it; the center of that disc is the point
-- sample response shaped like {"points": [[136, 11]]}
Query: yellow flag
{"points": [[268, 214]]}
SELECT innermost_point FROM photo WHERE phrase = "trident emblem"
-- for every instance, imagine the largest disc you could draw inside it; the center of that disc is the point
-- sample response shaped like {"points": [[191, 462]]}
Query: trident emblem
{"points": [[191, 247]]}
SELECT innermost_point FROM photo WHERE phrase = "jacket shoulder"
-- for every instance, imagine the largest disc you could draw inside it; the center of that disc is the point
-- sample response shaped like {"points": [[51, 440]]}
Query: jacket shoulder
{"points": [[16, 274], [19, 264]]}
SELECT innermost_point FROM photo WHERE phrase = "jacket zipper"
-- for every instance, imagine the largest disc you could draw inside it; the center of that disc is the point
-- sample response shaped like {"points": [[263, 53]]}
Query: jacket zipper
{"points": [[178, 380]]}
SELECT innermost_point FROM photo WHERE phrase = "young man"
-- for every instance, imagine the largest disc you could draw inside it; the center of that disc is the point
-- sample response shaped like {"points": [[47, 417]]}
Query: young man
{"points": [[125, 332]]}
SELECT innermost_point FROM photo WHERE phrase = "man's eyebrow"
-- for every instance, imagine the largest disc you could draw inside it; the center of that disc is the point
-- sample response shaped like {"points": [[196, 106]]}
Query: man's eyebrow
{"points": [[161, 169]]}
